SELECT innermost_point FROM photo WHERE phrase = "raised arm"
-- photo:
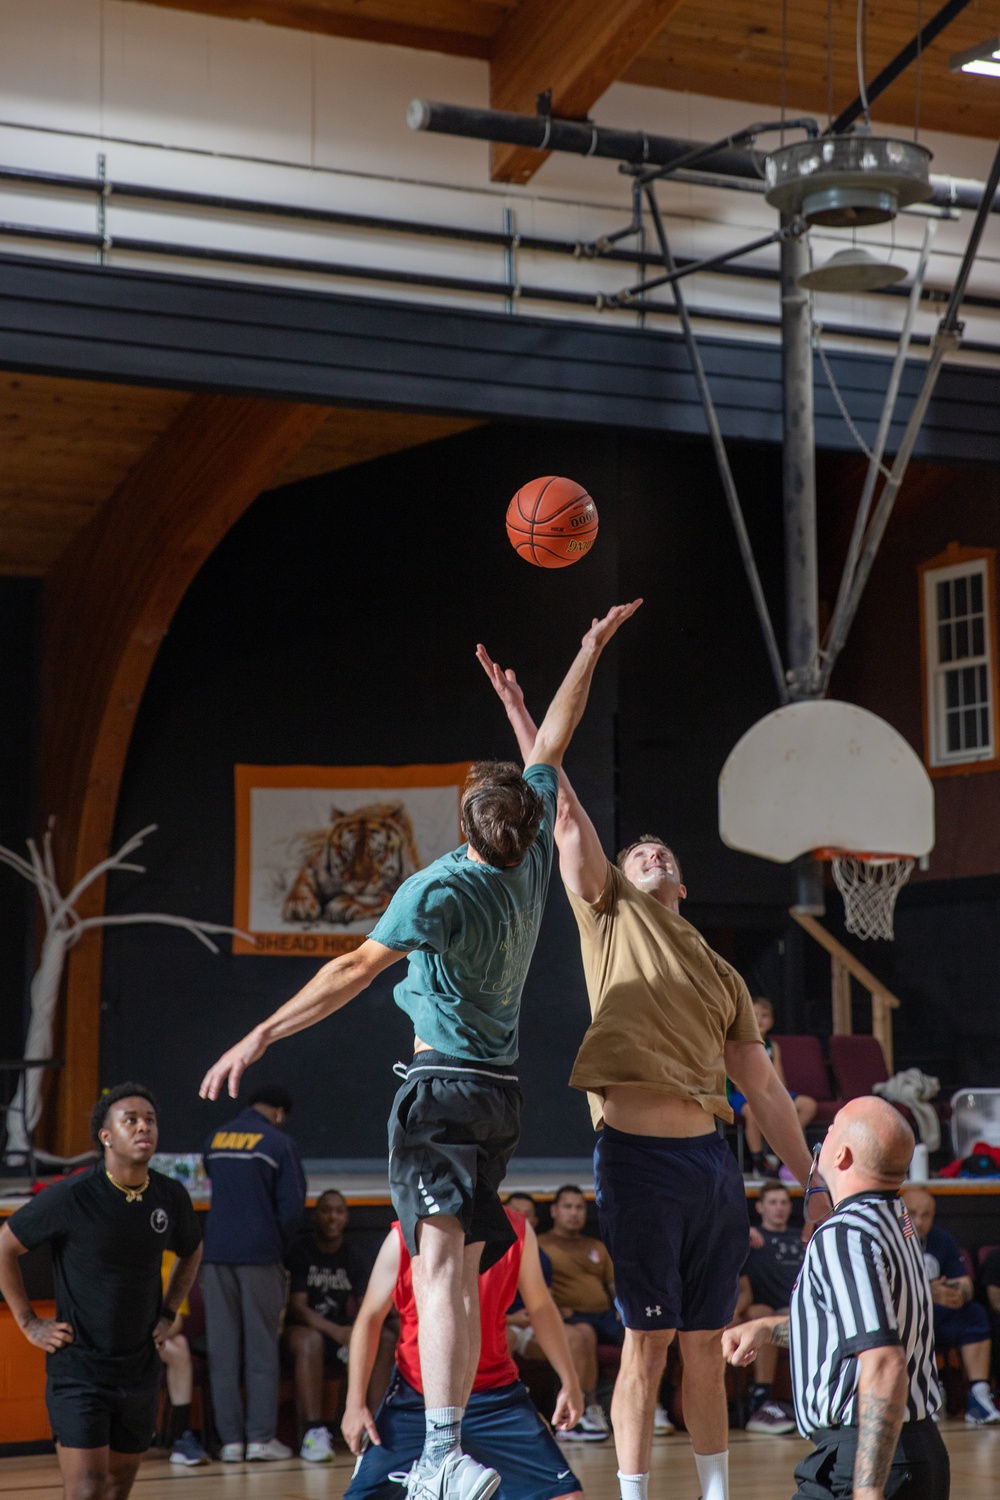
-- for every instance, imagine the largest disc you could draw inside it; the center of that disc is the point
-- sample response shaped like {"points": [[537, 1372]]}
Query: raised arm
{"points": [[550, 1331], [566, 709], [328, 990], [582, 861], [358, 1421]]}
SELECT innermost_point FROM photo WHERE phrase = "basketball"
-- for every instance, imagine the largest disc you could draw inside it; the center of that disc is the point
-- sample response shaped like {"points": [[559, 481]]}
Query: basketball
{"points": [[552, 522]]}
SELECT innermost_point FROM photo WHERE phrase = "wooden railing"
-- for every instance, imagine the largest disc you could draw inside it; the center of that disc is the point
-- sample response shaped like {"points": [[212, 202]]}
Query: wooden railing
{"points": [[843, 968]]}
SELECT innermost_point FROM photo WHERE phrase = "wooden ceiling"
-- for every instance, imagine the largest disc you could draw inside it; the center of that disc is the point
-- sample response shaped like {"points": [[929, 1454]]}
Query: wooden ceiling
{"points": [[733, 49], [69, 444]]}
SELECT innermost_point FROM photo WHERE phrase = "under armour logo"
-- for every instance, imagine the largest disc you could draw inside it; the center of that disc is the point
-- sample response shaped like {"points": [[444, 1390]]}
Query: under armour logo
{"points": [[653, 1311]]}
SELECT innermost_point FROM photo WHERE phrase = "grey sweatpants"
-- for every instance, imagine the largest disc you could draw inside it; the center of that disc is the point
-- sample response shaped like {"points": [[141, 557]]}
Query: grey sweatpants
{"points": [[243, 1306]]}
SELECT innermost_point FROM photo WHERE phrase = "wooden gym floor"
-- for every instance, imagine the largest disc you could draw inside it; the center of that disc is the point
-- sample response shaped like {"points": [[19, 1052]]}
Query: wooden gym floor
{"points": [[760, 1469]]}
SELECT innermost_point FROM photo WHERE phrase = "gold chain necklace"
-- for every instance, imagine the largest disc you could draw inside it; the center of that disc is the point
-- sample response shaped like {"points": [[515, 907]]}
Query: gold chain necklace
{"points": [[132, 1195]]}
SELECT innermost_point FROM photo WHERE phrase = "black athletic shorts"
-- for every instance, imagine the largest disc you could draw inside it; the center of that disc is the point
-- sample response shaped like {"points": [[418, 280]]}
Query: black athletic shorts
{"points": [[673, 1215], [85, 1414], [453, 1128]]}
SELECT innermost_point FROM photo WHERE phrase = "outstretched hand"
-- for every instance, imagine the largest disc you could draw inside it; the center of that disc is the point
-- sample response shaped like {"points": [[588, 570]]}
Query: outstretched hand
{"points": [[231, 1066], [505, 683], [601, 631]]}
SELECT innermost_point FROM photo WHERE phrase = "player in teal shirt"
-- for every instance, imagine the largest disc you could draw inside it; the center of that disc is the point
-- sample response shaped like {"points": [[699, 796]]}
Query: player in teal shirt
{"points": [[469, 923]]}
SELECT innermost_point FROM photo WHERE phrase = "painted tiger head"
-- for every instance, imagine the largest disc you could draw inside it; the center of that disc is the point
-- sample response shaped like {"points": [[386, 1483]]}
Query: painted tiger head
{"points": [[352, 868]]}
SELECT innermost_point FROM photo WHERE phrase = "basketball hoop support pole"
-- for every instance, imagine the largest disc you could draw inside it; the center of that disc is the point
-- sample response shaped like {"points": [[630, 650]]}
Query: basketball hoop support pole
{"points": [[798, 461]]}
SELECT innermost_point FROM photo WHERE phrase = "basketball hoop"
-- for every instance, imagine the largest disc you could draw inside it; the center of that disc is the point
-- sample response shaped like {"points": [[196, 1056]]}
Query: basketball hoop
{"points": [[869, 884]]}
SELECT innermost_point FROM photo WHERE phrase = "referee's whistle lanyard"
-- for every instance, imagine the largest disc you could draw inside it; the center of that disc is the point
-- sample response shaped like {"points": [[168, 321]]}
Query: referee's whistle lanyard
{"points": [[814, 1185]]}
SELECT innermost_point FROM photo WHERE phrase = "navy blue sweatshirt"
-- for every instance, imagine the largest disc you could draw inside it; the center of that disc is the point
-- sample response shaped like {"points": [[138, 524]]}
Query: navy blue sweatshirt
{"points": [[258, 1191]]}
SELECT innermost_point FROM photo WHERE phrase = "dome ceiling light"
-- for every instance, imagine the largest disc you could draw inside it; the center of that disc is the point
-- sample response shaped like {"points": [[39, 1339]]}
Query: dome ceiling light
{"points": [[852, 270], [843, 182]]}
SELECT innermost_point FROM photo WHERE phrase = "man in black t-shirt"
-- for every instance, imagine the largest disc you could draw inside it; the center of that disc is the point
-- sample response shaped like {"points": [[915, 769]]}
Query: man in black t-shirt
{"points": [[107, 1228], [327, 1284], [769, 1275]]}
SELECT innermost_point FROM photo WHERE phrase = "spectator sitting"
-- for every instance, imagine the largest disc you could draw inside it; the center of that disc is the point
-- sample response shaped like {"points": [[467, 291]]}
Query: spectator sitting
{"points": [[805, 1106], [582, 1340], [990, 1274], [957, 1319], [258, 1197], [327, 1284], [583, 1289], [175, 1352], [769, 1275]]}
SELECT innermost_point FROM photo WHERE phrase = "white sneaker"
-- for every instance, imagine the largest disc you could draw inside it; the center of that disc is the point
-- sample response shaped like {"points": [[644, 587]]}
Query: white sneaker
{"points": [[459, 1478], [662, 1425], [232, 1453], [594, 1420], [267, 1453], [316, 1447]]}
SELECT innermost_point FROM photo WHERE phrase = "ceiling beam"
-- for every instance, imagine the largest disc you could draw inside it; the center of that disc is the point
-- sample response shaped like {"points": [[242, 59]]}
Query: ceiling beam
{"points": [[108, 603], [574, 48]]}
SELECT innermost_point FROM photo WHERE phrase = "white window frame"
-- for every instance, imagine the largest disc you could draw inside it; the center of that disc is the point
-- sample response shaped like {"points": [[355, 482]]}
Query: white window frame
{"points": [[939, 757]]}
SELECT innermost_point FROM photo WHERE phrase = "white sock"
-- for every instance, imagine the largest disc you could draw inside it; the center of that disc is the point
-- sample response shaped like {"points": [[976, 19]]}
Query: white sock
{"points": [[634, 1486], [981, 1390], [713, 1472]]}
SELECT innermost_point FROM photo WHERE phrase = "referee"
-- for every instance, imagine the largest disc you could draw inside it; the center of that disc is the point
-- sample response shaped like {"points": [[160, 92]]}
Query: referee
{"points": [[860, 1327]]}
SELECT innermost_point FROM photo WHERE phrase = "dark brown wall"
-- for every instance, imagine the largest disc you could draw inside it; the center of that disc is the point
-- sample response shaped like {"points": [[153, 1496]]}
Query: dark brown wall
{"points": [[880, 667]]}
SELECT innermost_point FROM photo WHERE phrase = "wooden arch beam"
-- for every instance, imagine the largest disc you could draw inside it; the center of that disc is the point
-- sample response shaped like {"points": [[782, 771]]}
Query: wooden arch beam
{"points": [[576, 49], [109, 601]]}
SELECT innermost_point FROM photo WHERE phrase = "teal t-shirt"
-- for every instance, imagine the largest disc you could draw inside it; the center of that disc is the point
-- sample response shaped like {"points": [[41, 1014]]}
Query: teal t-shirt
{"points": [[470, 930]]}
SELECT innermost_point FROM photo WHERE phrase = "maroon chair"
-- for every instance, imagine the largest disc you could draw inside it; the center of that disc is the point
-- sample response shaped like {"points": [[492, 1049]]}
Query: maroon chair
{"points": [[858, 1063], [806, 1073]]}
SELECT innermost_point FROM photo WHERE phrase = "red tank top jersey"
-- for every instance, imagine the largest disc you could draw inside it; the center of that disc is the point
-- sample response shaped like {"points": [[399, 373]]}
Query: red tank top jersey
{"points": [[497, 1290]]}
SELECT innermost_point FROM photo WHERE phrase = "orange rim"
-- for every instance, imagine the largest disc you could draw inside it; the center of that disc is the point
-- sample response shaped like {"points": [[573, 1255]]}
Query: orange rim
{"points": [[865, 856]]}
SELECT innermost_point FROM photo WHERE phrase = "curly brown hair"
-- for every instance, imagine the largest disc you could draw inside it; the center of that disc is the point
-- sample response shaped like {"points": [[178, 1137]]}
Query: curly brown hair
{"points": [[501, 813]]}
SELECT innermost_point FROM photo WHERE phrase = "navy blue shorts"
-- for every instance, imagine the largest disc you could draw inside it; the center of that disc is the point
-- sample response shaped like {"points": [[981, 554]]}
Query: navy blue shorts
{"points": [[500, 1428], [961, 1325], [673, 1215]]}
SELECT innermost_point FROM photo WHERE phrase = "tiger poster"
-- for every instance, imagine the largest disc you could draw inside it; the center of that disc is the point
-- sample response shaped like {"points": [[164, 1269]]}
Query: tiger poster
{"points": [[321, 850]]}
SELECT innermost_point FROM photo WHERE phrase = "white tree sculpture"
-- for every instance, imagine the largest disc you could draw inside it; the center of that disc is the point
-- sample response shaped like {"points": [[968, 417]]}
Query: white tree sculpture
{"points": [[64, 928]]}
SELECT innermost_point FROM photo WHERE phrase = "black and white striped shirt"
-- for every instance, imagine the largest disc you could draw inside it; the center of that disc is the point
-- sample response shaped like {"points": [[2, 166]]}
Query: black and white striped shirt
{"points": [[862, 1286]]}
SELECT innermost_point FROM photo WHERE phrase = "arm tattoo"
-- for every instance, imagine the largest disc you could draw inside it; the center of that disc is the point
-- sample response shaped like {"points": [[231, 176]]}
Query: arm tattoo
{"points": [[879, 1423], [779, 1334]]}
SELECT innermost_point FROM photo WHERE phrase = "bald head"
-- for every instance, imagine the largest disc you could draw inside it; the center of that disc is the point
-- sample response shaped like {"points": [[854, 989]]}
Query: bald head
{"points": [[921, 1208], [870, 1141]]}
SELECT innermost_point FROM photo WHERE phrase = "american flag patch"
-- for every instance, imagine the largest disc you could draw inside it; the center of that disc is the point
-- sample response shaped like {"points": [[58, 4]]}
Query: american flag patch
{"points": [[905, 1222]]}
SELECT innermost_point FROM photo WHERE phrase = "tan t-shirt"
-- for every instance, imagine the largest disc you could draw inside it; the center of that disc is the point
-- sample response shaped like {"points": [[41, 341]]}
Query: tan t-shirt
{"points": [[663, 1004], [581, 1272]]}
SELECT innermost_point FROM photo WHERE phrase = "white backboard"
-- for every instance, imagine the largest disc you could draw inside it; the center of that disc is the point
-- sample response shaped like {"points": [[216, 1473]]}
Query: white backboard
{"points": [[823, 775]]}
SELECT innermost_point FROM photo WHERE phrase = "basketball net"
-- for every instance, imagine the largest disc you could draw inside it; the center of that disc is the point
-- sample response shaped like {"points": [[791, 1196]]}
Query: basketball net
{"points": [[869, 885]]}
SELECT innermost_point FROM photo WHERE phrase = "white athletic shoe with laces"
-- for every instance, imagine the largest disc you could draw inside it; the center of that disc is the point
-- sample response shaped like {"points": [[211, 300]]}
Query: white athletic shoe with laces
{"points": [[459, 1478], [316, 1447]]}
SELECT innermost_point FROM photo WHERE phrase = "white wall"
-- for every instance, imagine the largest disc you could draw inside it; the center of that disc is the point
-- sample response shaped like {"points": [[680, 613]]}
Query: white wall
{"points": [[200, 103]]}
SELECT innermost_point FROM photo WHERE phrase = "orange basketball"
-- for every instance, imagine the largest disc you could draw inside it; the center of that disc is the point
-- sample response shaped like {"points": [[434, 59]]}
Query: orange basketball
{"points": [[552, 522]]}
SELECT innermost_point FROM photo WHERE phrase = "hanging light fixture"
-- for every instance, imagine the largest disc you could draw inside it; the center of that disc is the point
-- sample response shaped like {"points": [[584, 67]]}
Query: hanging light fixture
{"points": [[984, 59], [845, 181], [852, 270]]}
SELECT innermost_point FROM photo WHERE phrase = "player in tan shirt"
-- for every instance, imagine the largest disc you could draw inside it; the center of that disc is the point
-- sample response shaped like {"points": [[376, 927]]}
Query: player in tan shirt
{"points": [[670, 1020]]}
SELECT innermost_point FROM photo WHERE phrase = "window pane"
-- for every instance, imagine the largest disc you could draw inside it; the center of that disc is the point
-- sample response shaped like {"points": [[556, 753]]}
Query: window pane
{"points": [[984, 726], [961, 596], [968, 684], [944, 600], [954, 733], [951, 689], [978, 637], [976, 587], [971, 728], [961, 638], [944, 643], [983, 694]]}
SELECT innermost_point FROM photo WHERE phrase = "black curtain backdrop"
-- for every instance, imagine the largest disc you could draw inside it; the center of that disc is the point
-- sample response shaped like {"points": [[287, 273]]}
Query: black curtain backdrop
{"points": [[336, 625]]}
